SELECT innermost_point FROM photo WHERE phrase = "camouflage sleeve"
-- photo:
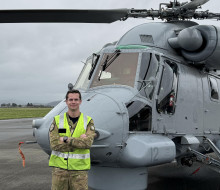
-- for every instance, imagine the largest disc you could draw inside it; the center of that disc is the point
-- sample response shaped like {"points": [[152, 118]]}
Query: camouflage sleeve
{"points": [[55, 143], [86, 142]]}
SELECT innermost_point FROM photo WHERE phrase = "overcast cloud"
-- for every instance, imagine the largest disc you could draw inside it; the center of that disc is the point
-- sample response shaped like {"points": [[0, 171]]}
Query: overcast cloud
{"points": [[38, 60]]}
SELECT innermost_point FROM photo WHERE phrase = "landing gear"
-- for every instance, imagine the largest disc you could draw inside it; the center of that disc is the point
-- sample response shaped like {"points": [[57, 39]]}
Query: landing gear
{"points": [[187, 161], [206, 159]]}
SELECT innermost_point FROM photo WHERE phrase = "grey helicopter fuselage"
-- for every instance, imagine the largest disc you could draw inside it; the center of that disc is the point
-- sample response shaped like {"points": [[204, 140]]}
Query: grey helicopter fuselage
{"points": [[148, 102]]}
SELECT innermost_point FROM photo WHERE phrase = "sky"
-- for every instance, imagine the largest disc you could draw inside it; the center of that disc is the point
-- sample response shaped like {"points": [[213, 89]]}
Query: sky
{"points": [[37, 61]]}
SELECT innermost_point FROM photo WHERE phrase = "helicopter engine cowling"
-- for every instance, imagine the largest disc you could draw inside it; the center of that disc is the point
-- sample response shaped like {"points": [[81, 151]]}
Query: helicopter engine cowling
{"points": [[199, 44]]}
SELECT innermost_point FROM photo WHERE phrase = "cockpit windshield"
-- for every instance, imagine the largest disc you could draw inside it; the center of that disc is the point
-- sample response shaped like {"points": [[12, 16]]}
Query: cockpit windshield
{"points": [[116, 69], [86, 73], [83, 81]]}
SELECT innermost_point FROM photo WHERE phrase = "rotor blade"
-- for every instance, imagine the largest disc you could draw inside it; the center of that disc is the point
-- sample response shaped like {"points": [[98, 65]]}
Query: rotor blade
{"points": [[213, 16], [66, 16], [194, 4], [206, 15]]}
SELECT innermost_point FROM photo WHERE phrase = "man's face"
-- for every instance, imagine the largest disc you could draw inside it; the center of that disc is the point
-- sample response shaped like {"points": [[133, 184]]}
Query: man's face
{"points": [[73, 102]]}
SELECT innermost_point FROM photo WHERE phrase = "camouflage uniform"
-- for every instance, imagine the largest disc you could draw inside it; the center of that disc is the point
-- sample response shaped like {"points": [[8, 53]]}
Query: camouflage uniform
{"points": [[70, 179]]}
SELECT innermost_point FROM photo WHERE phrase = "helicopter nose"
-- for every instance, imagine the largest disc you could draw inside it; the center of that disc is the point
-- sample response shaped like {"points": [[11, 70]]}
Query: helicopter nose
{"points": [[108, 117], [106, 113]]}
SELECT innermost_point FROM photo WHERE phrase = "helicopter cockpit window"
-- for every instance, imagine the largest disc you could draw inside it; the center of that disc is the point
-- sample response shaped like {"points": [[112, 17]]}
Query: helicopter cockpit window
{"points": [[84, 78], [116, 69], [140, 116], [148, 72], [214, 88], [168, 89]]}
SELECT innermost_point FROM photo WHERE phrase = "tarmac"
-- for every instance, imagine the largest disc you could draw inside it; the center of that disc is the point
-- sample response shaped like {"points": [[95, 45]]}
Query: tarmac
{"points": [[37, 175]]}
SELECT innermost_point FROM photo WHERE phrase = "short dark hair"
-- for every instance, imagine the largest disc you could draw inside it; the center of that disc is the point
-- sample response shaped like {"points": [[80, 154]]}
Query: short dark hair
{"points": [[73, 92]]}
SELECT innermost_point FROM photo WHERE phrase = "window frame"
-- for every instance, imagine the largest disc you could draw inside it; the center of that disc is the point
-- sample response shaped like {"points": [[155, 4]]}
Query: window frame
{"points": [[174, 88], [141, 87], [210, 87], [141, 112]]}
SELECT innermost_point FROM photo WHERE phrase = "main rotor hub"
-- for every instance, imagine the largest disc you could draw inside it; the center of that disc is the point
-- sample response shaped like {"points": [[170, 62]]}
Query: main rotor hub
{"points": [[174, 11]]}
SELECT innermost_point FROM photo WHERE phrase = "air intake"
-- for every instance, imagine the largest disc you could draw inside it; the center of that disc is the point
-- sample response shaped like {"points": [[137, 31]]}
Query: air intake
{"points": [[146, 38]]}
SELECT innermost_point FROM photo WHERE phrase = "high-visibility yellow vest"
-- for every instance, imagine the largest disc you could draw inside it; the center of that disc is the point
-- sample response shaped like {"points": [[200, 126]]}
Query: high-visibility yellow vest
{"points": [[79, 159]]}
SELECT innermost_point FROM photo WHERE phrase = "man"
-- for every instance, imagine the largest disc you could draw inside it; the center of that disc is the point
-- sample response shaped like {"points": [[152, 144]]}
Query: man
{"points": [[71, 136]]}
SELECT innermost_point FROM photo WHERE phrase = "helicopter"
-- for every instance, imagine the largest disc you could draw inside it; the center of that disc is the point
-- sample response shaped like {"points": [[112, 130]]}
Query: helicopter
{"points": [[153, 94]]}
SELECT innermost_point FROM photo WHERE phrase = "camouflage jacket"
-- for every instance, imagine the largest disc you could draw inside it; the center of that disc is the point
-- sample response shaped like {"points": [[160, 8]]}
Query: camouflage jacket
{"points": [[72, 143]]}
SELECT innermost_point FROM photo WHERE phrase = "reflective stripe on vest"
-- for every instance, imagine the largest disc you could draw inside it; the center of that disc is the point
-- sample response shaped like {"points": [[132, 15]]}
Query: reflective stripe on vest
{"points": [[61, 122], [70, 156], [79, 159], [85, 120]]}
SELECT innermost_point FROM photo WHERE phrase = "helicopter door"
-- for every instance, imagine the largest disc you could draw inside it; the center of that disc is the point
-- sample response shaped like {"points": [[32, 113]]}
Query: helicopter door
{"points": [[147, 76], [166, 98], [168, 89], [211, 90]]}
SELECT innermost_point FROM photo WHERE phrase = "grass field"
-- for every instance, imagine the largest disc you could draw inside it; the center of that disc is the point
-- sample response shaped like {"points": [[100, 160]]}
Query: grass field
{"points": [[16, 113]]}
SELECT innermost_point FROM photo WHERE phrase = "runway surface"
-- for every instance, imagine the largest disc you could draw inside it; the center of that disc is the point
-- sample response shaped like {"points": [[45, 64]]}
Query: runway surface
{"points": [[37, 175]]}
